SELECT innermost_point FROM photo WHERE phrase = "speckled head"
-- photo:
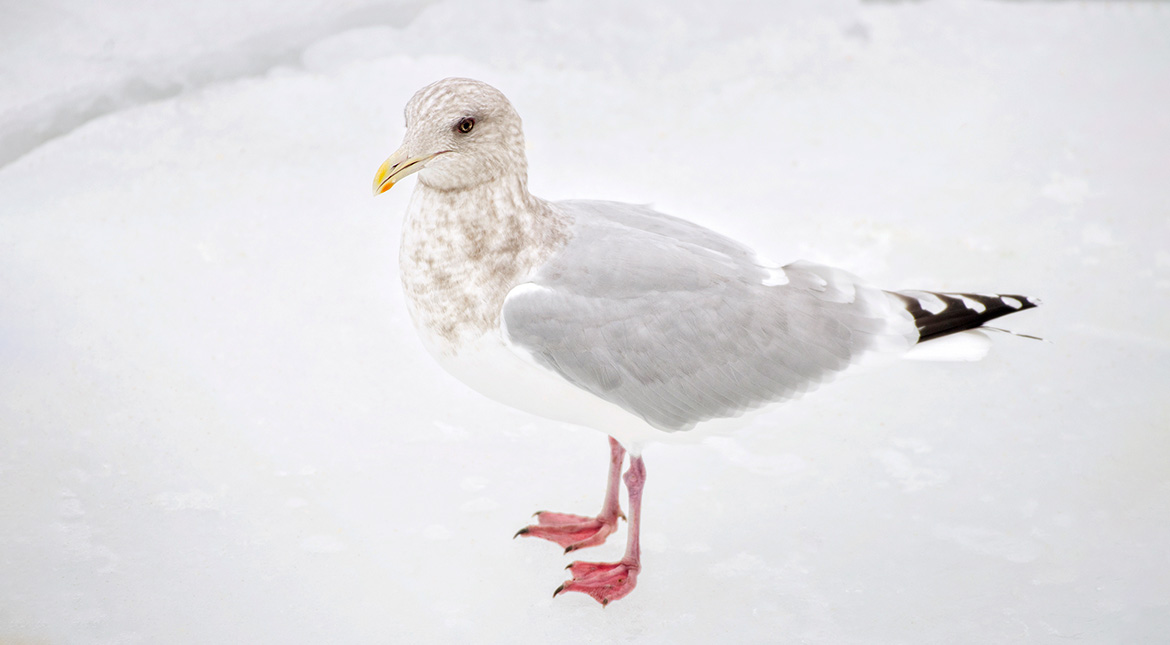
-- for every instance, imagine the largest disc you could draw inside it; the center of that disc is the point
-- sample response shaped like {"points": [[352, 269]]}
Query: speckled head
{"points": [[460, 133]]}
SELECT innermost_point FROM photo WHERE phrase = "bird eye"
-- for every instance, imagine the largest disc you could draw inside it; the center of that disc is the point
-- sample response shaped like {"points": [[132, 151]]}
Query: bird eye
{"points": [[465, 125]]}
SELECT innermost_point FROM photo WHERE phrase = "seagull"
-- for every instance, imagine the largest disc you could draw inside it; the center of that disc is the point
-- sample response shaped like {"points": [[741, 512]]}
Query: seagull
{"points": [[620, 318]]}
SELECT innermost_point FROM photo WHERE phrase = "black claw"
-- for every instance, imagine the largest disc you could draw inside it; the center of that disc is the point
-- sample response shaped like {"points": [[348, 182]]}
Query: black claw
{"points": [[523, 531], [604, 602], [559, 590], [569, 549]]}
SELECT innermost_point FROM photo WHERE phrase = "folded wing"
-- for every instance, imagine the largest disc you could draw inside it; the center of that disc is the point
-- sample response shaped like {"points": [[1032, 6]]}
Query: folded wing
{"points": [[680, 325]]}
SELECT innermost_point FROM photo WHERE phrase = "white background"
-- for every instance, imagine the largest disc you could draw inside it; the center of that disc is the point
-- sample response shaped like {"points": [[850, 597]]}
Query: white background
{"points": [[216, 424]]}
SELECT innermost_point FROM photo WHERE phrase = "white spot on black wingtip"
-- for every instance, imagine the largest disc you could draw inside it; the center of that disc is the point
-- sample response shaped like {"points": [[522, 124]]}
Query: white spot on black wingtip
{"points": [[930, 302], [972, 304], [1011, 302], [1035, 302]]}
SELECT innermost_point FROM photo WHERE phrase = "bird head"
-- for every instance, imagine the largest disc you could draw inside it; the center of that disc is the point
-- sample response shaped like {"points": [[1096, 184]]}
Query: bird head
{"points": [[460, 133]]}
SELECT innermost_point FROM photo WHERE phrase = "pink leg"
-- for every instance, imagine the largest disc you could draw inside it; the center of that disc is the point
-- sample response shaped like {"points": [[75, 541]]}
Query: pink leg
{"points": [[607, 582], [576, 531]]}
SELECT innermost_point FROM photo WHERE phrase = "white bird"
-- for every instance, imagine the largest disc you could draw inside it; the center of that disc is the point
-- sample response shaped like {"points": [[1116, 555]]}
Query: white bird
{"points": [[617, 317]]}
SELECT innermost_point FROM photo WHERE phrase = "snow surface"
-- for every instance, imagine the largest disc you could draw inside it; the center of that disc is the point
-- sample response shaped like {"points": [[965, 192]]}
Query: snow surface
{"points": [[216, 424]]}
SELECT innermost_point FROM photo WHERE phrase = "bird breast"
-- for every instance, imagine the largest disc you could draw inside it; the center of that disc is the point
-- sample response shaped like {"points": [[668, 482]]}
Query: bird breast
{"points": [[462, 251]]}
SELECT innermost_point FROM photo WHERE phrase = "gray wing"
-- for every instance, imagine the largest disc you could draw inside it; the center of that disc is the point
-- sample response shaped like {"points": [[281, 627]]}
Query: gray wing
{"points": [[675, 323]]}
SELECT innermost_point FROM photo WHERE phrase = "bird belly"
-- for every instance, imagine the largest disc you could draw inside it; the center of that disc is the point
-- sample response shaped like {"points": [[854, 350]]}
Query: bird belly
{"points": [[492, 368]]}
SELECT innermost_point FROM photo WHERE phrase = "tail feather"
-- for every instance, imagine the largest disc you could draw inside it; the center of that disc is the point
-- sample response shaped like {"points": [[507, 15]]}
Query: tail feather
{"points": [[940, 314]]}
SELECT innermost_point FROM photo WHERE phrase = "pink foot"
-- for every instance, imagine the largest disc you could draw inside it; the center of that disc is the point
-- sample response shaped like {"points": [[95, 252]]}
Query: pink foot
{"points": [[570, 531], [577, 531], [606, 582], [603, 581]]}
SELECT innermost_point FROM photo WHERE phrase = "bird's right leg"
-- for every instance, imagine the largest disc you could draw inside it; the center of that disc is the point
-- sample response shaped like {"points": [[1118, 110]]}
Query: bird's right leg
{"points": [[577, 531]]}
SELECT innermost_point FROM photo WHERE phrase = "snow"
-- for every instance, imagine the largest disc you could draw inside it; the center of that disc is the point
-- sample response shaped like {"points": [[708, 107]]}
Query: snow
{"points": [[217, 425]]}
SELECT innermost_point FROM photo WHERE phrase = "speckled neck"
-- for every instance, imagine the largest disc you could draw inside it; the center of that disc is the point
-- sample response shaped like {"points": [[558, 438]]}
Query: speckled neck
{"points": [[463, 250]]}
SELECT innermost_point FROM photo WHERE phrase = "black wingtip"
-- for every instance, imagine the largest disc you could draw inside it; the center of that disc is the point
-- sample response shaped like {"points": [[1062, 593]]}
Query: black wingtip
{"points": [[939, 314]]}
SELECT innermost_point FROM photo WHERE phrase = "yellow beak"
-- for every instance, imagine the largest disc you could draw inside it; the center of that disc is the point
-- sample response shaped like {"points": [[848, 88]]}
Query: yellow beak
{"points": [[398, 166]]}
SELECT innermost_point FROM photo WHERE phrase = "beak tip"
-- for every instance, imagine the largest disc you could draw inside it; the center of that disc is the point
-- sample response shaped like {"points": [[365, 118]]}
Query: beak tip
{"points": [[399, 165], [381, 184]]}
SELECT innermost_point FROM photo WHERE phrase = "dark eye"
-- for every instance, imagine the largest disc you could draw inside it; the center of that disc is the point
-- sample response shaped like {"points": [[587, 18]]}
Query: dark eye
{"points": [[465, 125]]}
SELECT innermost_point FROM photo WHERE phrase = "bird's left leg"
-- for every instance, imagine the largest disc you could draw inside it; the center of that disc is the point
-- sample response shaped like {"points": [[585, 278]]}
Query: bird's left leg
{"points": [[577, 531]]}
